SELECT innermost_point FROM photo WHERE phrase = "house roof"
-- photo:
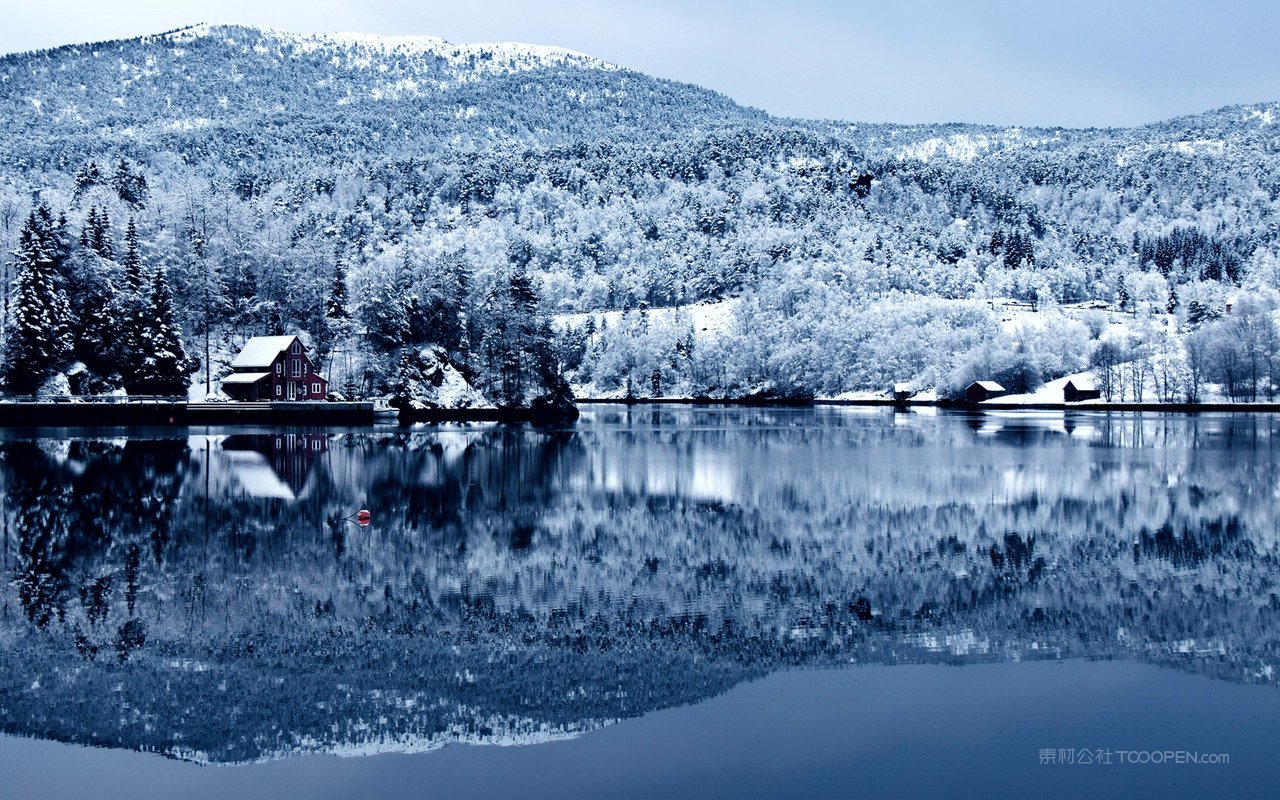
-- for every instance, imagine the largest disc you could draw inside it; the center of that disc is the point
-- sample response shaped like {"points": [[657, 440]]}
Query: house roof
{"points": [[990, 386], [245, 377], [1081, 385], [260, 351], [902, 387]]}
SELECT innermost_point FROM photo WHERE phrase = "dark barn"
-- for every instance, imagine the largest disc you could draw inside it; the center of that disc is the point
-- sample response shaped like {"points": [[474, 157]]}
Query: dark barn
{"points": [[1078, 389], [978, 391]]}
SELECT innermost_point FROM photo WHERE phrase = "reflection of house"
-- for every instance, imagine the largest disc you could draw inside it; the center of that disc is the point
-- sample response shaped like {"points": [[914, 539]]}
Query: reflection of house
{"points": [[978, 391], [1078, 389], [274, 368], [274, 465]]}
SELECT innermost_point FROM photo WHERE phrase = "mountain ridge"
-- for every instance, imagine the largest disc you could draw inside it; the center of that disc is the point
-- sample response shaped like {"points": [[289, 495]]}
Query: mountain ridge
{"points": [[516, 56]]}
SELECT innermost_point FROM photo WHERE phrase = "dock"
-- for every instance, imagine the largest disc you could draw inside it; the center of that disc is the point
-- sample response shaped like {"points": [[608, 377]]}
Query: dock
{"points": [[170, 412]]}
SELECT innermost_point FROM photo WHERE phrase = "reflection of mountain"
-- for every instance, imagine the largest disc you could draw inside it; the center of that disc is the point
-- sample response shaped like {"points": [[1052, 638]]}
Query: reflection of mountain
{"points": [[521, 585]]}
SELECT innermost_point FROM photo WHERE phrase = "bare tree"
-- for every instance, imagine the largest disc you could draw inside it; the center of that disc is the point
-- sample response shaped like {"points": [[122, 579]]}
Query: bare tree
{"points": [[1198, 348]]}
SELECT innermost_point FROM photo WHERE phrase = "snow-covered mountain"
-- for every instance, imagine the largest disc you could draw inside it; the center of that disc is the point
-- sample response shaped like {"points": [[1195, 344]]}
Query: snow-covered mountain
{"points": [[407, 164], [189, 89]]}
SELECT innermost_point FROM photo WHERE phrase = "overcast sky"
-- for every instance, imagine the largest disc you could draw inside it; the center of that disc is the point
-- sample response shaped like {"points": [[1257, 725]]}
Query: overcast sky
{"points": [[1079, 63]]}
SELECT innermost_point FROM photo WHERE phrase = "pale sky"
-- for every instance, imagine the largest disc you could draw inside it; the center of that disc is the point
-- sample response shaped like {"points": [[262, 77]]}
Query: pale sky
{"points": [[1079, 63]]}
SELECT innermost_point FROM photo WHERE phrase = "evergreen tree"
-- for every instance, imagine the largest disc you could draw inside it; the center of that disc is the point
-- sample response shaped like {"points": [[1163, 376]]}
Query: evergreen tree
{"points": [[130, 310], [335, 308], [38, 338], [517, 350], [85, 179], [162, 366], [336, 324], [90, 223], [130, 186], [132, 258], [100, 238], [95, 307], [385, 311]]}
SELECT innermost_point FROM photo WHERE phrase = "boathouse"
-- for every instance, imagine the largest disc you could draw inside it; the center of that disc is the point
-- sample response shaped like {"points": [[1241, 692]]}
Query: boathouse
{"points": [[978, 391], [274, 368]]}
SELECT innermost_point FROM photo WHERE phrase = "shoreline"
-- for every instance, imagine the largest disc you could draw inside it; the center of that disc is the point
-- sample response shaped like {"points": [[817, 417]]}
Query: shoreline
{"points": [[179, 414], [953, 405], [164, 413]]}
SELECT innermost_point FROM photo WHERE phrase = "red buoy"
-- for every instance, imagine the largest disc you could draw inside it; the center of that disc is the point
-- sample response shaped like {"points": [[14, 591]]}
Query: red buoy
{"points": [[364, 517]]}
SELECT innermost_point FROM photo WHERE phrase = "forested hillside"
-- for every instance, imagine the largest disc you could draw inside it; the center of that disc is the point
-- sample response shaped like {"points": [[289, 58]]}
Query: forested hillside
{"points": [[401, 200]]}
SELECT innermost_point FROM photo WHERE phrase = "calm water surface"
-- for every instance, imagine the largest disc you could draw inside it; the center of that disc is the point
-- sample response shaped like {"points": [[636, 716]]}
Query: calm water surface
{"points": [[692, 602]]}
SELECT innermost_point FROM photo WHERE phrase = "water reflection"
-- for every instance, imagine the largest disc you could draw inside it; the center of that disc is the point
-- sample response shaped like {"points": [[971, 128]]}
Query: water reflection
{"points": [[209, 596]]}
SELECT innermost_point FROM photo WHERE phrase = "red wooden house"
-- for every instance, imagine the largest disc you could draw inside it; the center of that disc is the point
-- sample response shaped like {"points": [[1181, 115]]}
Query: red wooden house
{"points": [[274, 368]]}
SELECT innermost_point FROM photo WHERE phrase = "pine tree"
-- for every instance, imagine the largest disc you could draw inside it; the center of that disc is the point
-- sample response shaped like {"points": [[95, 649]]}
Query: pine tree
{"points": [[517, 350], [100, 238], [85, 179], [335, 308], [336, 324], [90, 224], [162, 366], [130, 186], [137, 319], [38, 337], [132, 258], [94, 306]]}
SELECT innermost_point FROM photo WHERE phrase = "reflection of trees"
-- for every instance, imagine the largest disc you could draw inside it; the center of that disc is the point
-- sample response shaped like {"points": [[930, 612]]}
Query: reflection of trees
{"points": [[537, 563], [69, 509]]}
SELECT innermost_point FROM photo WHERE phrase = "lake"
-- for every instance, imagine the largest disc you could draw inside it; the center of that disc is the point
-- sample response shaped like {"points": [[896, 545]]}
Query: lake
{"points": [[658, 600]]}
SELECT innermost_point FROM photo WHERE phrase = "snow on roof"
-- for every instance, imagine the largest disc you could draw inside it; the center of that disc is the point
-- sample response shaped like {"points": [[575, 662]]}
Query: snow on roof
{"points": [[990, 386], [245, 377], [1081, 384], [901, 387], [260, 351]]}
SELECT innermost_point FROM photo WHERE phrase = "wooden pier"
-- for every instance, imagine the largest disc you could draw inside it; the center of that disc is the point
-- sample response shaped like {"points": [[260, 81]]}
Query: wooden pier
{"points": [[169, 412]]}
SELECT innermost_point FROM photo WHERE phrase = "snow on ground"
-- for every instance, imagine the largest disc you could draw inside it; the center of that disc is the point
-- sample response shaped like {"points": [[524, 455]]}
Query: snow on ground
{"points": [[858, 397], [494, 57], [1051, 392], [1015, 314], [442, 386], [708, 318]]}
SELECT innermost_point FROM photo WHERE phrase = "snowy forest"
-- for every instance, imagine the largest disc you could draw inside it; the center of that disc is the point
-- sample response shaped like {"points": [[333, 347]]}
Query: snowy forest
{"points": [[538, 219]]}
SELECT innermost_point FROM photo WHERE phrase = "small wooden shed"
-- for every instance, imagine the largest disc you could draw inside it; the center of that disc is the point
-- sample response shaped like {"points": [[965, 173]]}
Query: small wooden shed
{"points": [[1078, 389], [900, 392], [978, 391]]}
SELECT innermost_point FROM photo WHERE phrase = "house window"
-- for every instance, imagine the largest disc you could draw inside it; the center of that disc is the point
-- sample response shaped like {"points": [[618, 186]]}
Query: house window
{"points": [[297, 347], [279, 389], [279, 368], [295, 368], [315, 388]]}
